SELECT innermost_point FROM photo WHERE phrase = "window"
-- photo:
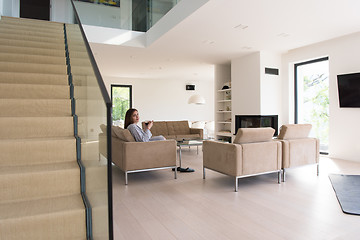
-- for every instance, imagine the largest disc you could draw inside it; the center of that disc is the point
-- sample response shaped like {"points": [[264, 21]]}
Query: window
{"points": [[312, 98], [121, 98]]}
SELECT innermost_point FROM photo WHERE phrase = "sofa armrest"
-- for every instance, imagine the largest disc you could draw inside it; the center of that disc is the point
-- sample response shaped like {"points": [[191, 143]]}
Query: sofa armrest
{"points": [[145, 155], [223, 157], [103, 144], [302, 151], [197, 131]]}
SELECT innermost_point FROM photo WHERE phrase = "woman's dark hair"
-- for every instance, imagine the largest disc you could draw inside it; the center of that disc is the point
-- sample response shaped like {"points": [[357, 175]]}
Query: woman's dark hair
{"points": [[128, 119]]}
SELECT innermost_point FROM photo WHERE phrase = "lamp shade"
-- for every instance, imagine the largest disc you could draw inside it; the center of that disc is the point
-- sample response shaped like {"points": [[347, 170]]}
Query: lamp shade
{"points": [[196, 99]]}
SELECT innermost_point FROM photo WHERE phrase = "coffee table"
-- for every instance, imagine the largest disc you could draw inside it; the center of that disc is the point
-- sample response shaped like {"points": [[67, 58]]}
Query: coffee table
{"points": [[188, 143]]}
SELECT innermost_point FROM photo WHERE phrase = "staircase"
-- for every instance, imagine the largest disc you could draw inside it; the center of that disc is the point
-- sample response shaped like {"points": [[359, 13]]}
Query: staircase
{"points": [[40, 195]]}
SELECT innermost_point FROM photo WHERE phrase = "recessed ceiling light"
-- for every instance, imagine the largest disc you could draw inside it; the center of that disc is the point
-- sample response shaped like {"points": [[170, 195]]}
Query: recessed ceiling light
{"points": [[241, 26], [283, 35], [208, 42]]}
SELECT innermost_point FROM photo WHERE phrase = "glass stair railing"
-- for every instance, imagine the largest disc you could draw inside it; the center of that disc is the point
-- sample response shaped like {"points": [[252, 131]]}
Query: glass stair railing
{"points": [[135, 15]]}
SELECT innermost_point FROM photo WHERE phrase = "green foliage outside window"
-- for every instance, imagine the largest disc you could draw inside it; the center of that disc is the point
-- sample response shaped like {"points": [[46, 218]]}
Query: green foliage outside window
{"points": [[316, 105], [121, 103]]}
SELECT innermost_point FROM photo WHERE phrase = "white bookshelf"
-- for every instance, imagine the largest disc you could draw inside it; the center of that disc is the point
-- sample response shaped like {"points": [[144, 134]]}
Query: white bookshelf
{"points": [[223, 114]]}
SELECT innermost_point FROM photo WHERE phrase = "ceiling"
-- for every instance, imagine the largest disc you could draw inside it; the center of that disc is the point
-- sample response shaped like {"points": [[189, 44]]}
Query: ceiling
{"points": [[222, 30]]}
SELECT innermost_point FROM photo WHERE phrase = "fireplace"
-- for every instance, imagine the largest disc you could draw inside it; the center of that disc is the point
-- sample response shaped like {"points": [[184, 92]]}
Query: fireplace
{"points": [[254, 121]]}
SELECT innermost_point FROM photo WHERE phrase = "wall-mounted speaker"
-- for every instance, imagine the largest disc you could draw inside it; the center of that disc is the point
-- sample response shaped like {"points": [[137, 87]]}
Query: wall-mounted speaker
{"points": [[190, 87], [272, 71]]}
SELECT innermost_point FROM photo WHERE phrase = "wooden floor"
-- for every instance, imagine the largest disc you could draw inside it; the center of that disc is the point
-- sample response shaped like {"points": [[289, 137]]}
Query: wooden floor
{"points": [[156, 206]]}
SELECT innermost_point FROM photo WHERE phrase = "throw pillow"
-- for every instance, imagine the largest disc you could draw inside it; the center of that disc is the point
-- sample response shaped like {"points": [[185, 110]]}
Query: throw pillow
{"points": [[122, 134]]}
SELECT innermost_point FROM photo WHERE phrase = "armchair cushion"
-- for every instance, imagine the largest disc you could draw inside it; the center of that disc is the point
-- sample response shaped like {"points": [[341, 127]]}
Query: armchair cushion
{"points": [[250, 135], [294, 131]]}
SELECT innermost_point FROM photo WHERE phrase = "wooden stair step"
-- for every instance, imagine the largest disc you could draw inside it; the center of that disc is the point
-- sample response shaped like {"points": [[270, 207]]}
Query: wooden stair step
{"points": [[20, 183], [36, 127], [41, 29], [29, 21], [34, 78], [31, 44], [32, 51], [27, 58], [35, 107], [34, 91], [33, 68], [55, 218], [16, 152], [14, 34]]}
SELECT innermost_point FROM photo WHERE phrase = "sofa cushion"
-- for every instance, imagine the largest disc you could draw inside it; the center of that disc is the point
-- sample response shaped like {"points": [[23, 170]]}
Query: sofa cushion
{"points": [[170, 137], [122, 134], [249, 135], [178, 127], [294, 131], [158, 128]]}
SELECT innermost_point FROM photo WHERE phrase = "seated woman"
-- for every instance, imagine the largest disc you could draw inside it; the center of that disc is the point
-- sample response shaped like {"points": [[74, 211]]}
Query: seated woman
{"points": [[131, 121]]}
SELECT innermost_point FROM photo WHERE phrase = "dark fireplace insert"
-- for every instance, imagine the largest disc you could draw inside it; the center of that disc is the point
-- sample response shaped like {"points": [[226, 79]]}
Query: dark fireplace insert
{"points": [[255, 121]]}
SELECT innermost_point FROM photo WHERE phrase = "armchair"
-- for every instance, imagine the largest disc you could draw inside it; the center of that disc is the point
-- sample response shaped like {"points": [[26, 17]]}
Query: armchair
{"points": [[131, 156], [252, 153], [297, 148]]}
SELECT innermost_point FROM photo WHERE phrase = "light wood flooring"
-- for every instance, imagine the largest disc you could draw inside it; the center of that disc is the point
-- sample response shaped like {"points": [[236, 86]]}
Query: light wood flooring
{"points": [[156, 206]]}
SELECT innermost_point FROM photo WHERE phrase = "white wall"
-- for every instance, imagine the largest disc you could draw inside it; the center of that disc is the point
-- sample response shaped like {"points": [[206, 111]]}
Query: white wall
{"points": [[167, 99], [1, 8], [271, 86], [253, 91], [245, 82], [61, 11], [11, 8], [344, 57]]}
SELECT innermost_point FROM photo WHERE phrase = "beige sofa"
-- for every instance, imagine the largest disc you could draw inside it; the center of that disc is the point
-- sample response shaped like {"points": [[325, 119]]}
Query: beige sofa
{"points": [[297, 148], [178, 130], [252, 153], [131, 156]]}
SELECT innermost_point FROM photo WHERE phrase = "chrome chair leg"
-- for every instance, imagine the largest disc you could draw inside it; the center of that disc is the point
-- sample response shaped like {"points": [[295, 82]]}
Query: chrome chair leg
{"points": [[317, 169], [126, 178], [203, 173], [283, 175], [279, 176], [236, 184], [175, 175]]}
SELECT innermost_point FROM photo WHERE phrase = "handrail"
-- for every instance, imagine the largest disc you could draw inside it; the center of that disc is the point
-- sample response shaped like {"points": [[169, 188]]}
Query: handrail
{"points": [[108, 104]]}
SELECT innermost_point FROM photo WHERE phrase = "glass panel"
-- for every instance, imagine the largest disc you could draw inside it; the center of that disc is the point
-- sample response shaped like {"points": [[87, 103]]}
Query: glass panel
{"points": [[158, 9], [313, 99], [136, 15], [92, 117], [121, 102]]}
